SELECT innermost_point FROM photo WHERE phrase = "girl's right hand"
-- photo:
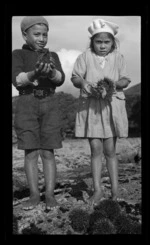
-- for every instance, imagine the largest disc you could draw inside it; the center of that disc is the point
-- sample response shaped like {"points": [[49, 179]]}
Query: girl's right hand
{"points": [[86, 87]]}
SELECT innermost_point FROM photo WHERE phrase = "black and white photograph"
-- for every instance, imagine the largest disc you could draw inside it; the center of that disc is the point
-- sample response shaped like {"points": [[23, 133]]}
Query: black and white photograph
{"points": [[76, 125]]}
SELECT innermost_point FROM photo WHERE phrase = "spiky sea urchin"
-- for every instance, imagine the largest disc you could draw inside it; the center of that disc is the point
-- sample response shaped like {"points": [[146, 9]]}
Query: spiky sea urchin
{"points": [[46, 57], [95, 215], [110, 208], [106, 83], [103, 226], [79, 219], [123, 224]]}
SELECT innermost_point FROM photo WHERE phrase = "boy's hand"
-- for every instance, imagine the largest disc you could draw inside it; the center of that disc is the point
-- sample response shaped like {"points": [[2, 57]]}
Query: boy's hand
{"points": [[52, 61], [52, 70], [43, 69]]}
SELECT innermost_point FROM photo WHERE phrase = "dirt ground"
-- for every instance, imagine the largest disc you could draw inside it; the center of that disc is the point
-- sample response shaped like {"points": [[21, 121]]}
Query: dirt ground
{"points": [[74, 183]]}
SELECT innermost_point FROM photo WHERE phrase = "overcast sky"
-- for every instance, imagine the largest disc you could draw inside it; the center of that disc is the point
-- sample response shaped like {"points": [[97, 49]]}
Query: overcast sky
{"points": [[68, 36]]}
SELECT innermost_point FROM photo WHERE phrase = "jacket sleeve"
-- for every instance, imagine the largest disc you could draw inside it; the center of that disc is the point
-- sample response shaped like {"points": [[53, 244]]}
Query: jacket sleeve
{"points": [[17, 65], [79, 69], [59, 68]]}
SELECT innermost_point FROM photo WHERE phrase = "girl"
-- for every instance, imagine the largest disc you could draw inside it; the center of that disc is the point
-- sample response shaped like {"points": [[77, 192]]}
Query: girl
{"points": [[36, 73], [101, 119]]}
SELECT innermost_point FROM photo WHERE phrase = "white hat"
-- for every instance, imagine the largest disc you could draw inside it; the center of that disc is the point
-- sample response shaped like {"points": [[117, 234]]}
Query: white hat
{"points": [[100, 25]]}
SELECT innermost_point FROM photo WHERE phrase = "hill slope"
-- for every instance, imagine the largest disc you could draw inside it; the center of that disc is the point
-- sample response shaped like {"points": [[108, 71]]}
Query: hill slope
{"points": [[133, 105], [134, 90]]}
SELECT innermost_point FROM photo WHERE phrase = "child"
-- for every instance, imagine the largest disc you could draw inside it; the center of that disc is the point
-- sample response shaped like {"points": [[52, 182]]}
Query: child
{"points": [[36, 72], [101, 119]]}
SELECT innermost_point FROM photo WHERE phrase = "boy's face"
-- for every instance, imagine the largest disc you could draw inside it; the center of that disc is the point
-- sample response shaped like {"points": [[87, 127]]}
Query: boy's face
{"points": [[36, 36], [102, 43]]}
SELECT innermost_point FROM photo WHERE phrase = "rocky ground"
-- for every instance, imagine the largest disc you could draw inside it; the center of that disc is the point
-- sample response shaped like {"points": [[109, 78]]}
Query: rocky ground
{"points": [[74, 186]]}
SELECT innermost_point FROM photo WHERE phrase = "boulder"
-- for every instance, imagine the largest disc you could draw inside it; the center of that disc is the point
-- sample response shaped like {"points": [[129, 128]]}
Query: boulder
{"points": [[126, 150]]}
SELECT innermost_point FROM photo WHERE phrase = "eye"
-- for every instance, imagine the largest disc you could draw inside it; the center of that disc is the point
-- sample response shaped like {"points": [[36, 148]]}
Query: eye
{"points": [[36, 34], [98, 42]]}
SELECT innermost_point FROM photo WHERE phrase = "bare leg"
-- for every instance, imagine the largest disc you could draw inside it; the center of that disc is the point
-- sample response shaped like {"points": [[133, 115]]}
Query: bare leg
{"points": [[96, 168], [31, 170], [49, 168], [112, 164]]}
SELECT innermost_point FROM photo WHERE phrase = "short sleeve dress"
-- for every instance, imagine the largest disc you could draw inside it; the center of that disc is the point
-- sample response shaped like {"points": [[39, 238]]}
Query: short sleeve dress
{"points": [[101, 118]]}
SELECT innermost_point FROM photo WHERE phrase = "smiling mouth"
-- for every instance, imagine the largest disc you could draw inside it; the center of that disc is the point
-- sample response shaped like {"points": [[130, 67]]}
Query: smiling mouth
{"points": [[41, 45]]}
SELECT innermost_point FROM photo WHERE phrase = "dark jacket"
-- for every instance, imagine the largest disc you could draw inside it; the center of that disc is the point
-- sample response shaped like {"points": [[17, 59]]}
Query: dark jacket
{"points": [[24, 60]]}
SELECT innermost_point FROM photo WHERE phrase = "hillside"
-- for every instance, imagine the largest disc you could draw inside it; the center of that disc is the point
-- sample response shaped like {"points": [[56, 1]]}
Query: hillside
{"points": [[133, 106], [134, 90]]}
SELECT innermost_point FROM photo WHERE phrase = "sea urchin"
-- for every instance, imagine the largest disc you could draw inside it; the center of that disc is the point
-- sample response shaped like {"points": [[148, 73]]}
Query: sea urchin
{"points": [[103, 226], [79, 219], [110, 208]]}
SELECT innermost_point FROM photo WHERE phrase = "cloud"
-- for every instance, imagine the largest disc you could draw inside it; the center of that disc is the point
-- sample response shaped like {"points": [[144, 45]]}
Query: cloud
{"points": [[67, 59], [14, 91]]}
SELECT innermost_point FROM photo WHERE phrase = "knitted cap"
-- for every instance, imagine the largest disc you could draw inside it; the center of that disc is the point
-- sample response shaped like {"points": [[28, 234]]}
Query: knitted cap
{"points": [[29, 21], [99, 25]]}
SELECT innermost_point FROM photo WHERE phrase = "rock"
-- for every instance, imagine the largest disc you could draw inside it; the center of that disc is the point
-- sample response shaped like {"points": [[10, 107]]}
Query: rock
{"points": [[126, 151], [138, 156], [19, 181]]}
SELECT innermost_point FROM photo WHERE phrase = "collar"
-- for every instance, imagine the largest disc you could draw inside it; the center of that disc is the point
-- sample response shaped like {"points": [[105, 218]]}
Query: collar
{"points": [[102, 58], [26, 46]]}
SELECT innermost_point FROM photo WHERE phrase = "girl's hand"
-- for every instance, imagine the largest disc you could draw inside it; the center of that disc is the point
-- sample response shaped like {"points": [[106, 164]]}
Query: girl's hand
{"points": [[122, 83], [86, 87]]}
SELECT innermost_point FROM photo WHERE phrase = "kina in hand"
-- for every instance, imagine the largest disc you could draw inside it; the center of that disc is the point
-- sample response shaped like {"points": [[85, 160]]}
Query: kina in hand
{"points": [[103, 89]]}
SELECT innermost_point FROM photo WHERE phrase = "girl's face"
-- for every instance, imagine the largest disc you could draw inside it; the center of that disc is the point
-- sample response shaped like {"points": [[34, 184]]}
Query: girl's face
{"points": [[102, 44], [36, 36]]}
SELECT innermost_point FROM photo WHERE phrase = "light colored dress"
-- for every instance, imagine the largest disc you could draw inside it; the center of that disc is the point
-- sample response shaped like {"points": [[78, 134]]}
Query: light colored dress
{"points": [[101, 118]]}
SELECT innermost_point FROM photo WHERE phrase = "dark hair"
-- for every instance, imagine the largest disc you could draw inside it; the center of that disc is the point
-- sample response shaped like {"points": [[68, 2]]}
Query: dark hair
{"points": [[114, 46]]}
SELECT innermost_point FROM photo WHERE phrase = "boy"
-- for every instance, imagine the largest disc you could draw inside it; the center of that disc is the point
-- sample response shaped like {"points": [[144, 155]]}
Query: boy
{"points": [[36, 72]]}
